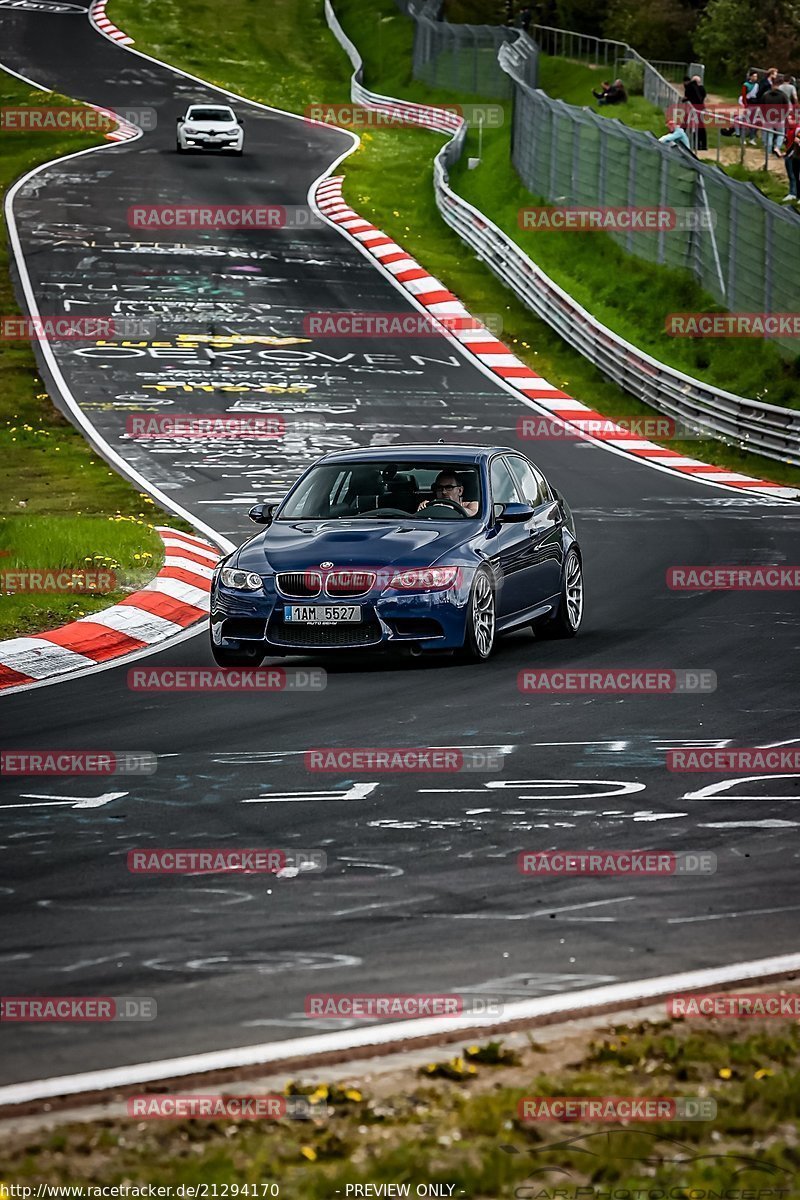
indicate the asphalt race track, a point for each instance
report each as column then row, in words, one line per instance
column 422, row 891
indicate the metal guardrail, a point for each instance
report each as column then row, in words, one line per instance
column 763, row 428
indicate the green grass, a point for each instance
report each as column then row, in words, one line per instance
column 573, row 82
column 126, row 548
column 389, row 179
column 61, row 502
column 442, row 1125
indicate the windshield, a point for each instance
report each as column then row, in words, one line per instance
column 211, row 114
column 434, row 491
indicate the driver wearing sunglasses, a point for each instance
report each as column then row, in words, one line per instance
column 447, row 487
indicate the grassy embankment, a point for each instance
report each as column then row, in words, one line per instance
column 457, row 1122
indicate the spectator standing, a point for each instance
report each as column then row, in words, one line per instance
column 774, row 110
column 745, row 124
column 792, row 159
column 695, row 95
column 788, row 85
column 525, row 18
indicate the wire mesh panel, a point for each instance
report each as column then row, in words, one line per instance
column 460, row 57
column 738, row 244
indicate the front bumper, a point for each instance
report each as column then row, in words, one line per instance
column 202, row 142
column 429, row 621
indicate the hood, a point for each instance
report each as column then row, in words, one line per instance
column 302, row 545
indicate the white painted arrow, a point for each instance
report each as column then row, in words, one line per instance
column 357, row 791
column 74, row 802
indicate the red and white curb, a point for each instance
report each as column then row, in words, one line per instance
column 98, row 18
column 175, row 599
column 125, row 132
column 494, row 355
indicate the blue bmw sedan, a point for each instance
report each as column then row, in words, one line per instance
column 414, row 548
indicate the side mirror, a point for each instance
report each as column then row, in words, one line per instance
column 179, row 120
column 262, row 514
column 548, row 515
column 241, row 121
column 514, row 514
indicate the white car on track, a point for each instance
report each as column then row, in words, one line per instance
column 210, row 127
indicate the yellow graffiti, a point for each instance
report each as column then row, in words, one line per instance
column 273, row 388
column 241, row 339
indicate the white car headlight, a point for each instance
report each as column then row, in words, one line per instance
column 189, row 129
column 243, row 581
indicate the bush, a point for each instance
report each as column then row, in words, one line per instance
column 632, row 75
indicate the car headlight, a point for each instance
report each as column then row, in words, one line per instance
column 189, row 129
column 243, row 581
column 428, row 579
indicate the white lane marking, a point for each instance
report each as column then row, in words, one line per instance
column 747, row 912
column 619, row 995
column 75, row 801
column 357, row 791
column 619, row 788
column 93, row 962
column 785, row 742
column 543, row 912
column 767, row 823
column 714, row 789
column 649, row 815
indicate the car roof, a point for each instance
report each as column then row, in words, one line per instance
column 418, row 453
column 210, row 104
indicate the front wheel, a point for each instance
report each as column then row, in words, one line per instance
column 481, row 619
column 569, row 614
column 236, row 658
column 179, row 148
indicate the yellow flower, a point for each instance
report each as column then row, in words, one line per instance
column 353, row 1094
column 309, row 1152
column 763, row 1073
column 725, row 1073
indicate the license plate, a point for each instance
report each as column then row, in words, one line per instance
column 322, row 614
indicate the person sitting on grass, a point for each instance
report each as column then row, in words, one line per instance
column 613, row 93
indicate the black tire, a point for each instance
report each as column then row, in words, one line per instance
column 236, row 658
column 481, row 631
column 238, row 153
column 180, row 149
column 568, row 616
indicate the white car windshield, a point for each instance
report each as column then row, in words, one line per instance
column 210, row 114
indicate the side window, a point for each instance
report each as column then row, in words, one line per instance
column 531, row 483
column 504, row 489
